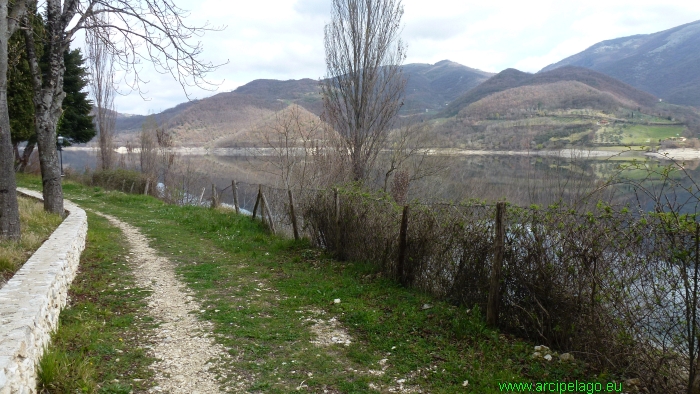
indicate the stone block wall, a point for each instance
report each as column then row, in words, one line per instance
column 32, row 299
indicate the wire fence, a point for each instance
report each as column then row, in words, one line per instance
column 615, row 288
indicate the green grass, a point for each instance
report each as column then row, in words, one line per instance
column 643, row 134
column 96, row 348
column 36, row 226
column 263, row 293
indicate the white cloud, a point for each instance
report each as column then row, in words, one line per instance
column 283, row 39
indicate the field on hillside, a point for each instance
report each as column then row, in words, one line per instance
column 637, row 134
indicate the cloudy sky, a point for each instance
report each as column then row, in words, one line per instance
column 283, row 39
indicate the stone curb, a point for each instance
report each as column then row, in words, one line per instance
column 32, row 299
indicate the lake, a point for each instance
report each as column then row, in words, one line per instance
column 540, row 178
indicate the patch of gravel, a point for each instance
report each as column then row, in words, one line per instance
column 184, row 349
column 328, row 332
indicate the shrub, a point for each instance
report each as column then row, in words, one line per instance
column 127, row 181
column 619, row 290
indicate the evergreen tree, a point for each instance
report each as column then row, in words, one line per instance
column 19, row 92
column 76, row 122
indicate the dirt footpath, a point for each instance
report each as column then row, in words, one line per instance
column 184, row 349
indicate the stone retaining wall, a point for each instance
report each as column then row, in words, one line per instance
column 32, row 299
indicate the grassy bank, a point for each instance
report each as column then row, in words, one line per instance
column 292, row 318
column 36, row 226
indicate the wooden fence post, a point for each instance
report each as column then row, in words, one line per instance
column 338, row 238
column 148, row 183
column 132, row 187
column 496, row 266
column 201, row 196
column 403, row 243
column 214, row 196
column 292, row 214
column 694, row 379
column 266, row 209
column 235, row 196
column 336, row 201
column 262, row 205
column 257, row 202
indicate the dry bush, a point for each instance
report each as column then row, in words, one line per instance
column 127, row 181
column 286, row 145
column 365, row 228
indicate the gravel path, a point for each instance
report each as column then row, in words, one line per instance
column 184, row 350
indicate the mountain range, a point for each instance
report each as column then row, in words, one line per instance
column 654, row 75
column 665, row 64
column 429, row 87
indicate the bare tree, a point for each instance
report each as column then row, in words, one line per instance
column 364, row 85
column 123, row 26
column 10, row 14
column 288, row 142
column 102, row 89
column 408, row 157
column 148, row 154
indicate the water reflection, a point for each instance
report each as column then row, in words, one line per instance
column 523, row 180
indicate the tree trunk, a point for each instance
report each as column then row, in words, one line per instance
column 50, row 167
column 27, row 154
column 9, row 210
column 695, row 386
column 48, row 99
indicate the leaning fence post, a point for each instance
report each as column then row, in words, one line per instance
column 292, row 214
column 496, row 266
column 403, row 243
column 235, row 196
column 266, row 209
column 262, row 208
column 201, row 196
column 257, row 202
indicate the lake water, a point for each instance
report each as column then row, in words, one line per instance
column 521, row 179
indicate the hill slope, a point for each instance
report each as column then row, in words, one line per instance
column 430, row 86
column 666, row 63
column 560, row 95
column 512, row 78
column 225, row 115
column 199, row 122
column 564, row 106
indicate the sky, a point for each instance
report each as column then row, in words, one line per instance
column 283, row 39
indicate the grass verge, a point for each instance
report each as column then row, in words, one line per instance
column 272, row 302
column 36, row 226
column 98, row 346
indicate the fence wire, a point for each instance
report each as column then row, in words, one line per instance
column 616, row 288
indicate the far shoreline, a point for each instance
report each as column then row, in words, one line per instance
column 567, row 153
